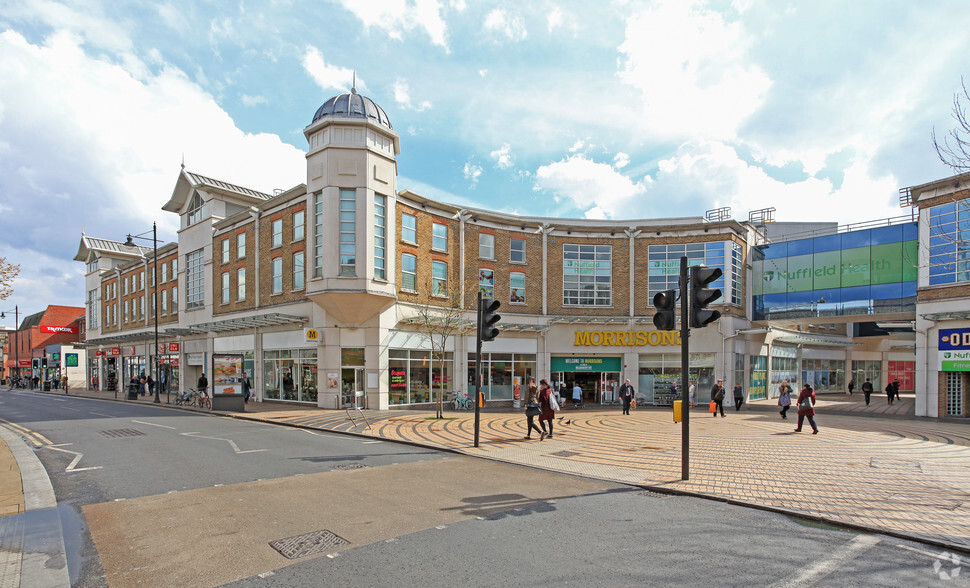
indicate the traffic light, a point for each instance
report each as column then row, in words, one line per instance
column 486, row 330
column 700, row 296
column 665, row 318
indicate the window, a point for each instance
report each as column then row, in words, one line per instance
column 277, row 233
column 124, row 286
column 298, row 271
column 587, row 275
column 175, row 300
column 240, row 245
column 439, row 278
column 318, row 235
column 194, row 280
column 241, row 283
column 141, row 280
column 125, row 315
column 486, row 282
column 141, row 307
column 348, row 233
column 277, row 275
column 299, row 225
column 409, row 272
column 225, row 251
column 664, row 264
column 439, row 237
column 517, row 287
column 151, row 276
column 380, row 224
column 409, row 228
column 196, row 210
column 486, row 246
column 164, row 273
column 92, row 266
column 517, row 250
column 93, row 309
column 225, row 287
column 954, row 393
column 164, row 297
column 950, row 243
column 175, row 268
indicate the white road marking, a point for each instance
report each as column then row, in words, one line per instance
column 229, row 441
column 102, row 414
column 823, row 567
column 920, row 551
column 371, row 442
column 77, row 458
column 152, row 424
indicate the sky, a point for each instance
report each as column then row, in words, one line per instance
column 623, row 109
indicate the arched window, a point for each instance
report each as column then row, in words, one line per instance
column 196, row 209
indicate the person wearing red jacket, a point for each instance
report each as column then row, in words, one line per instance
column 806, row 408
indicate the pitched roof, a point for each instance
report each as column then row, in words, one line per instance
column 109, row 247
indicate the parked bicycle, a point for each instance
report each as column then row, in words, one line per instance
column 204, row 400
column 462, row 401
column 187, row 398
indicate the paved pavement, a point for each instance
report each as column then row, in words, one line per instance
column 876, row 468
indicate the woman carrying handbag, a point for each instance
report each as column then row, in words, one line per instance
column 546, row 411
column 532, row 409
column 806, row 408
column 784, row 398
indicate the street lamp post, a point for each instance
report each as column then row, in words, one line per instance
column 16, row 334
column 131, row 243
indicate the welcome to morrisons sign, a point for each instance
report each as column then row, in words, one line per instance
column 625, row 338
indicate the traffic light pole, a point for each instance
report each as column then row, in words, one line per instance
column 478, row 364
column 684, row 374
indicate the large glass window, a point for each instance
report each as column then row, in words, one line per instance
column 499, row 371
column 517, row 250
column 409, row 228
column 517, row 287
column 658, row 371
column 905, row 373
column 950, row 243
column 439, row 278
column 298, row 271
column 299, row 225
column 758, row 379
column 290, row 375
column 277, row 264
column 664, row 265
column 409, row 272
column 783, row 369
column 194, row 280
column 587, row 275
column 486, row 246
column 824, row 375
column 416, row 377
column 380, row 236
column 277, row 233
column 348, row 233
column 439, row 236
column 486, row 282
column 317, row 235
column 93, row 308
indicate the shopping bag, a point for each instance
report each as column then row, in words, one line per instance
column 713, row 407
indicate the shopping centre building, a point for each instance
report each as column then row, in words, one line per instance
column 346, row 288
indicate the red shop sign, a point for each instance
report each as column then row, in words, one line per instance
column 98, row 352
column 173, row 347
column 116, row 351
column 53, row 329
column 24, row 362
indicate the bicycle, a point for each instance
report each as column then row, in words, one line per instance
column 204, row 401
column 186, row 398
column 462, row 401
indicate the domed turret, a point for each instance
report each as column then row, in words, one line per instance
column 353, row 105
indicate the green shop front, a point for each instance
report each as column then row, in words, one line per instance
column 597, row 375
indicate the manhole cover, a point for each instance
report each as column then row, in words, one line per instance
column 308, row 544
column 563, row 454
column 651, row 494
column 122, row 433
column 349, row 466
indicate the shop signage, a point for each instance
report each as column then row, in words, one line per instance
column 23, row 362
column 99, row 352
column 116, row 351
column 587, row 364
column 311, row 335
column 956, row 339
column 55, row 356
column 173, row 347
column 625, row 338
column 227, row 374
column 70, row 359
column 955, row 361
column 53, row 329
column 398, row 378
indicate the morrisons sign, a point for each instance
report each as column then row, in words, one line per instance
column 625, row 338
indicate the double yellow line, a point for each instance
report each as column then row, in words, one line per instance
column 36, row 438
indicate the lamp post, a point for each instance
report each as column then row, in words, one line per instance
column 131, row 243
column 16, row 334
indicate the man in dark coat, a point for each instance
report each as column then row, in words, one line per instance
column 626, row 396
column 867, row 390
column 717, row 395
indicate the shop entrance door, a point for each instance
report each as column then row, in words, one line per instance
column 352, row 388
column 609, row 386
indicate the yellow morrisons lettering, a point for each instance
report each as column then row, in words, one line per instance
column 623, row 338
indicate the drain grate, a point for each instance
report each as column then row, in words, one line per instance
column 563, row 454
column 121, row 433
column 652, row 494
column 308, row 544
column 350, row 466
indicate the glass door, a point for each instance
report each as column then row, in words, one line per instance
column 352, row 388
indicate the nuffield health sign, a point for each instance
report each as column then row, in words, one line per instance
column 955, row 350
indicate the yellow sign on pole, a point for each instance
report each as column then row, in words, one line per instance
column 311, row 335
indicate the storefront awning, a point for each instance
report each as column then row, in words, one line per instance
column 960, row 315
column 813, row 341
column 248, row 322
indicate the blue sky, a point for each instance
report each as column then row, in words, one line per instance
column 623, row 109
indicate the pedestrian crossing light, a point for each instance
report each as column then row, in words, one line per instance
column 487, row 329
column 700, row 296
column 665, row 317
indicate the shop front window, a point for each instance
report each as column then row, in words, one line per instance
column 420, row 377
column 498, row 373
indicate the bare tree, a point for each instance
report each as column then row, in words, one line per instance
column 8, row 272
column 440, row 315
column 954, row 149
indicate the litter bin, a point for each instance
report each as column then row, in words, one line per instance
column 677, row 408
column 47, row 385
column 132, row 392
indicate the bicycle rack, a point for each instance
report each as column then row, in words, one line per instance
column 350, row 417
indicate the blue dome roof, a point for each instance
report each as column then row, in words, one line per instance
column 353, row 105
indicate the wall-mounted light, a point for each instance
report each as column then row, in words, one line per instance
column 613, row 232
column 522, row 227
column 569, row 231
column 658, row 232
column 706, row 229
column 474, row 219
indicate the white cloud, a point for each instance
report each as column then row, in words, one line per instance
column 554, row 18
column 402, row 96
column 509, row 26
column 621, row 160
column 397, row 17
column 248, row 100
column 578, row 145
column 588, row 184
column 472, row 172
column 502, row 157
column 328, row 77
column 693, row 69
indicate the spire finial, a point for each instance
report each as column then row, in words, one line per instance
column 183, row 160
column 353, row 89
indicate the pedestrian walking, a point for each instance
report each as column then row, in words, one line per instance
column 896, row 388
column 690, row 394
column 532, row 409
column 546, row 413
column 867, row 390
column 247, row 388
column 889, row 393
column 851, row 386
column 142, row 384
column 151, row 384
column 203, row 383
column 64, row 383
column 626, row 396
column 717, row 397
column 577, row 395
column 738, row 397
column 784, row 398
column 806, row 409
